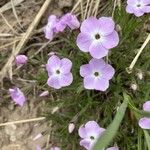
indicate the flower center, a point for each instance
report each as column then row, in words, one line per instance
column 92, row 138
column 57, row 72
column 97, row 36
column 138, row 5
column 96, row 74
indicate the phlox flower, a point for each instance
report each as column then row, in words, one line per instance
column 21, row 59
column 97, row 74
column 38, row 147
column 144, row 122
column 55, row 148
column 97, row 36
column 59, row 72
column 90, row 132
column 113, row 148
column 138, row 7
column 69, row 20
column 56, row 25
column 49, row 29
column 17, row 96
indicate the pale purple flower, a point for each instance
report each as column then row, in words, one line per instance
column 17, row 96
column 144, row 122
column 55, row 148
column 97, row 74
column 59, row 72
column 21, row 59
column 44, row 93
column 90, row 132
column 69, row 20
column 71, row 127
column 138, row 7
column 113, row 148
column 50, row 27
column 38, row 147
column 97, row 36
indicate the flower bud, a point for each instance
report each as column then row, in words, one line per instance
column 21, row 59
column 71, row 127
column 134, row 86
column 45, row 93
column 140, row 75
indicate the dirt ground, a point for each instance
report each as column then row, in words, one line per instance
column 21, row 137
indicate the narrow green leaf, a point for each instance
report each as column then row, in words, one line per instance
column 147, row 137
column 111, row 131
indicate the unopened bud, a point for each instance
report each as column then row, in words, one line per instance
column 134, row 86
column 45, row 93
column 71, row 127
column 140, row 75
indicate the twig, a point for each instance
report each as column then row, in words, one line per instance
column 129, row 69
column 22, row 121
column 24, row 39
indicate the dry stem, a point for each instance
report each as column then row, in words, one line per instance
column 130, row 68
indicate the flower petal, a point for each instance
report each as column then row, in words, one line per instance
column 53, row 63
column 101, row 84
column 110, row 41
column 38, row 147
column 131, row 2
column 129, row 9
column 85, row 70
column 146, row 2
column 144, row 123
column 85, row 143
column 107, row 25
column 108, row 72
column 93, row 129
column 83, row 42
column 146, row 106
column 89, row 25
column 72, row 21
column 53, row 81
column 82, row 132
column 97, row 64
column 66, row 80
column 138, row 12
column 66, row 65
column 146, row 9
column 89, row 82
column 17, row 96
column 113, row 148
column 97, row 50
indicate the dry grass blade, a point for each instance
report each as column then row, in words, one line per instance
column 8, row 5
column 90, row 8
column 76, row 6
column 15, row 13
column 114, row 7
column 95, row 10
column 7, row 23
column 86, row 9
column 130, row 68
column 24, row 39
column 81, row 6
column 22, row 121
